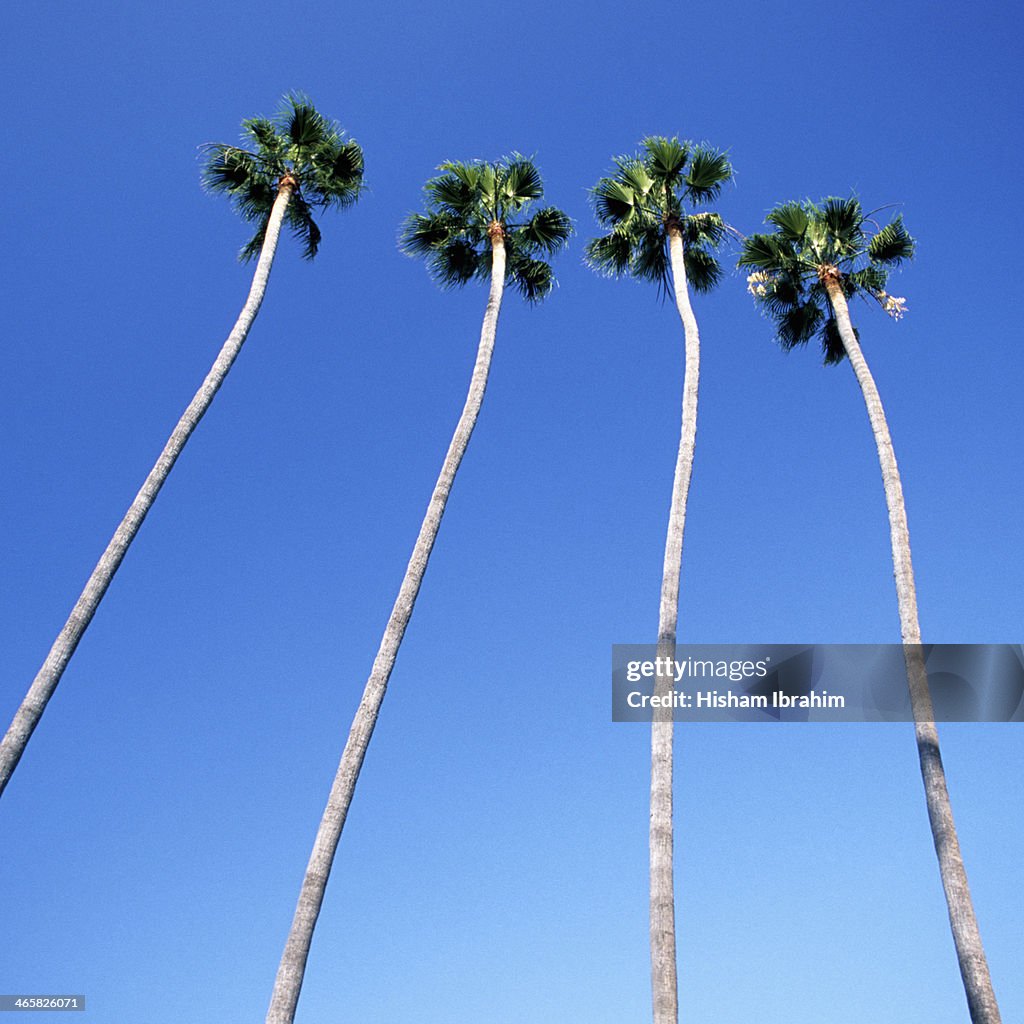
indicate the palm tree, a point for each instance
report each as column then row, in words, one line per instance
column 475, row 227
column 804, row 274
column 656, row 236
column 299, row 162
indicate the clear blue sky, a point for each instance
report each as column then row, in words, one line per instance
column 494, row 863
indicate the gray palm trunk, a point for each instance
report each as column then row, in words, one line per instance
column 664, row 985
column 292, row 968
column 45, row 683
column 981, row 1000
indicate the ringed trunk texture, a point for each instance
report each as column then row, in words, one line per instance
column 288, row 983
column 664, row 984
column 981, row 1000
column 45, row 683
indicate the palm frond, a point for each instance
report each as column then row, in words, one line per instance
column 452, row 192
column 348, row 161
column 532, row 278
column 468, row 174
column 262, row 132
column 254, row 200
column 252, row 248
column 228, row 169
column 704, row 229
column 299, row 218
column 892, row 245
column 785, row 290
column 614, row 201
column 487, row 192
column 702, row 269
column 708, row 171
column 304, row 125
column 666, row 157
column 798, row 324
column 610, row 254
column 521, row 183
column 792, row 220
column 456, row 263
column 832, row 348
column 423, row 232
column 650, row 260
column 765, row 252
column 843, row 219
column 635, row 176
column 870, row 279
column 547, row 230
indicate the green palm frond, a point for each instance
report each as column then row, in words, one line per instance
column 520, row 184
column 704, row 229
column 892, row 244
column 262, row 133
column 843, row 220
column 468, row 174
column 798, row 324
column 300, row 219
column 811, row 244
column 305, row 126
column 228, row 169
column 702, row 269
column 610, row 254
column 833, row 350
column 667, row 157
column 451, row 192
column 709, row 170
column 792, row 220
column 614, row 201
column 650, row 260
column 548, row 229
column 252, row 248
column 255, row 198
column 300, row 143
column 456, row 263
column 532, row 278
column 786, row 289
column 636, row 176
column 869, row 280
column 766, row 252
column 423, row 232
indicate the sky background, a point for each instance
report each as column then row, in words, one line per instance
column 494, row 864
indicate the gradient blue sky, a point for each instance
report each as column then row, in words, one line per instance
column 494, row 863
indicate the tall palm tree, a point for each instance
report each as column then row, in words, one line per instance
column 804, row 274
column 655, row 235
column 299, row 162
column 476, row 227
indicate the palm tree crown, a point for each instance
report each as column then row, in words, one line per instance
column 467, row 205
column 812, row 245
column 650, row 193
column 298, row 147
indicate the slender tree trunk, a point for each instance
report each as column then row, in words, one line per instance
column 288, row 983
column 664, row 985
column 981, row 1000
column 45, row 682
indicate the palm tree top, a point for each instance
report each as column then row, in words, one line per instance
column 814, row 244
column 299, row 147
column 651, row 194
column 472, row 205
